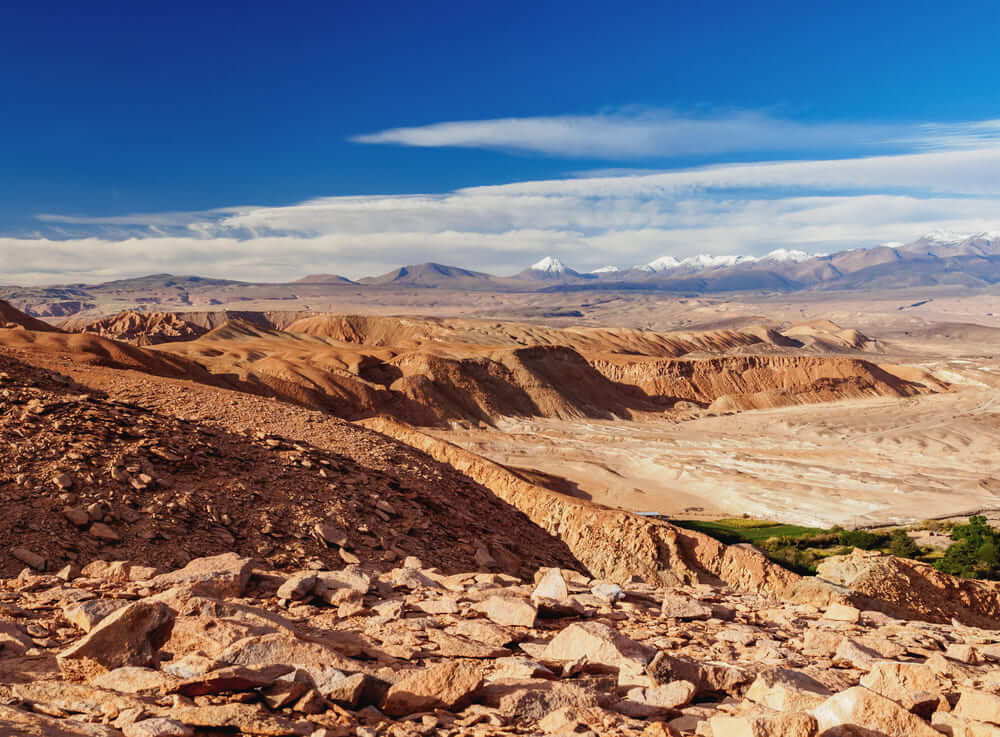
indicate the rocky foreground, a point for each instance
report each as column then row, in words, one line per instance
column 225, row 645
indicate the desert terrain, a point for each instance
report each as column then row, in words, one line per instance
column 376, row 521
column 817, row 409
column 908, row 461
column 824, row 412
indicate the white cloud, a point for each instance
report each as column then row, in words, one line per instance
column 655, row 133
column 816, row 206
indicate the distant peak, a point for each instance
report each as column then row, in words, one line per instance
column 550, row 265
column 946, row 236
column 709, row 261
column 701, row 261
column 606, row 270
column 785, row 254
column 662, row 264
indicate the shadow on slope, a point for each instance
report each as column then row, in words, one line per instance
column 171, row 489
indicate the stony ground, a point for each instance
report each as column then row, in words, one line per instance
column 226, row 645
column 86, row 475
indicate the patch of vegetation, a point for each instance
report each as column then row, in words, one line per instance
column 863, row 539
column 746, row 523
column 976, row 552
column 733, row 531
column 801, row 549
column 901, row 545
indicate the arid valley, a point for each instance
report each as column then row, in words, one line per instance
column 818, row 409
column 332, row 509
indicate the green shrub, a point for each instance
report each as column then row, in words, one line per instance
column 862, row 539
column 901, row 545
column 975, row 553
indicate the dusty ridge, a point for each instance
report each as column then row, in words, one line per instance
column 98, row 351
column 11, row 317
column 756, row 382
column 615, row 545
column 826, row 335
column 363, row 367
column 82, row 477
column 402, row 333
column 202, row 321
column 140, row 328
column 539, row 381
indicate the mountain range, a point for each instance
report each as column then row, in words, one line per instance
column 936, row 259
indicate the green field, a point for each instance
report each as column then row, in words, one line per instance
column 732, row 531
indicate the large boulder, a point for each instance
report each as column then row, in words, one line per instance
column 953, row 726
column 136, row 680
column 531, row 699
column 860, row 712
column 508, row 611
column 791, row 724
column 599, row 645
column 787, row 690
column 908, row 684
column 75, row 698
column 243, row 718
column 450, row 685
column 130, row 636
column 708, row 678
column 157, row 727
column 88, row 614
column 678, row 605
column 217, row 576
column 19, row 722
column 282, row 649
column 979, row 706
column 552, row 586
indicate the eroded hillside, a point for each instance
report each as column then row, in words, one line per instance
column 435, row 372
column 85, row 476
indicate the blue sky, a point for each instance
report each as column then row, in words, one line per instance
column 269, row 141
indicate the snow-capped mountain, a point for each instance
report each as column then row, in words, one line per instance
column 946, row 237
column 549, row 265
column 943, row 244
column 936, row 258
column 549, row 268
column 784, row 254
column 664, row 263
column 708, row 261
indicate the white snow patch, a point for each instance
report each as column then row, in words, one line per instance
column 664, row 263
column 785, row 254
column 550, row 265
column 946, row 237
column 706, row 261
